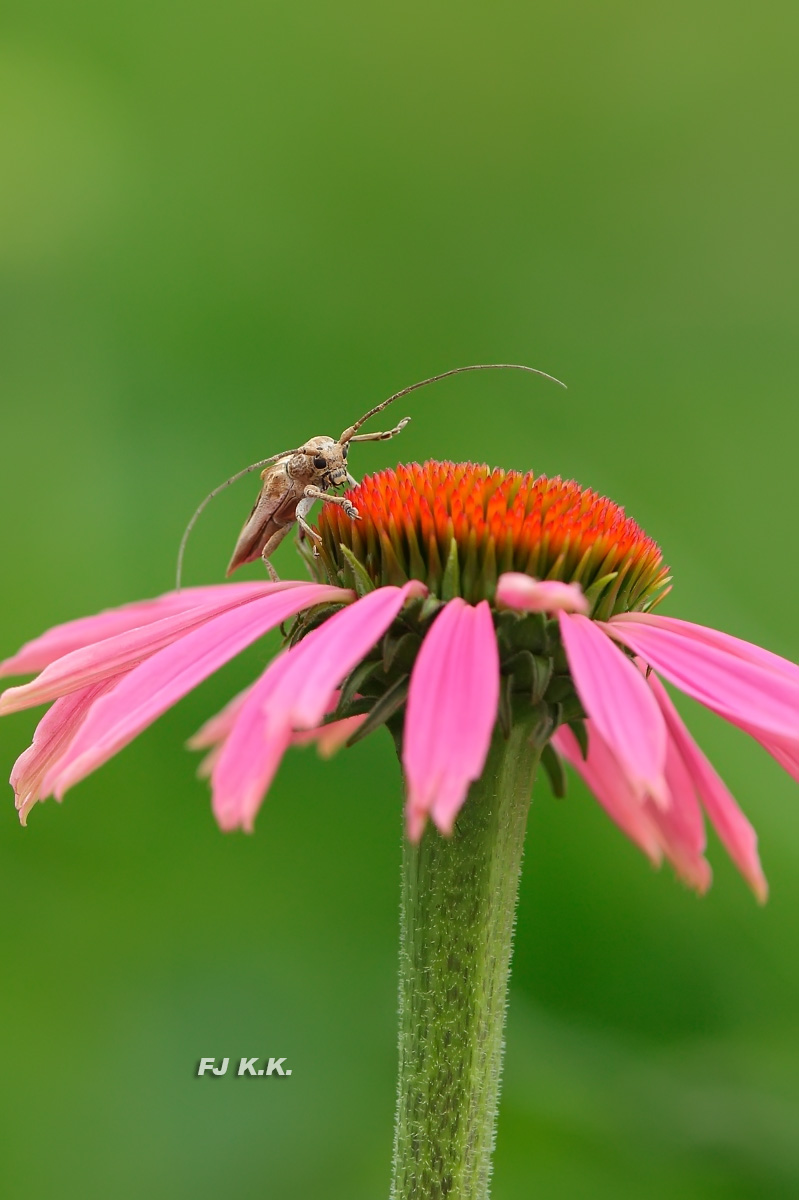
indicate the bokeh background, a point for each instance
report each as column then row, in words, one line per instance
column 226, row 228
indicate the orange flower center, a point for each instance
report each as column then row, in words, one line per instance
column 458, row 526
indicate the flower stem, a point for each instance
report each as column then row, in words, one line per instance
column 458, row 906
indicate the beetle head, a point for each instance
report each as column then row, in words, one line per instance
column 329, row 459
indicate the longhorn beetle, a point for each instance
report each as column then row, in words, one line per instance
column 294, row 479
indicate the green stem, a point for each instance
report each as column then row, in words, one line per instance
column 458, row 906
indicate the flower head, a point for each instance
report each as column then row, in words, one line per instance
column 458, row 527
column 464, row 600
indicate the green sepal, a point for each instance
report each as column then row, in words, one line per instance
column 553, row 765
column 530, row 672
column 546, row 718
column 541, row 676
column 400, row 649
column 352, row 685
column 383, row 709
column 487, row 578
column 416, row 563
column 595, row 589
column 560, row 688
column 313, row 562
column 505, row 709
column 581, row 733
column 654, row 598
column 470, row 569
column 355, row 708
column 429, row 607
column 451, row 579
column 571, row 709
column 361, row 580
column 312, row 618
column 392, row 573
column 530, row 633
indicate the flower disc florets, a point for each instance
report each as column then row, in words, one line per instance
column 458, row 526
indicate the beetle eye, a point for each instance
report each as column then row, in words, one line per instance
column 344, row 449
column 319, row 462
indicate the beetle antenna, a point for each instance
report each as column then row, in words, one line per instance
column 348, row 433
column 198, row 510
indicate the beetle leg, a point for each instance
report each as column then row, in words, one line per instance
column 269, row 549
column 312, row 492
column 381, row 437
column 301, row 512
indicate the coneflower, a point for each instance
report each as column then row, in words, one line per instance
column 493, row 621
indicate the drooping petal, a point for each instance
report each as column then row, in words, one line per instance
column 246, row 762
column 515, row 590
column 101, row 660
column 74, row 635
column 52, row 737
column 165, row 677
column 602, row 774
column 750, row 694
column 735, row 832
column 452, row 707
column 294, row 693
column 680, row 824
column 675, row 830
column 619, row 704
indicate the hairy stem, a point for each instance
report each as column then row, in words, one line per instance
column 458, row 906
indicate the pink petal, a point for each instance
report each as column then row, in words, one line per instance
column 784, row 750
column 680, row 824
column 246, row 762
column 164, row 678
column 619, row 703
column 100, row 660
column 330, row 737
column 713, row 637
column 515, row 590
column 452, row 707
column 602, row 774
column 52, row 737
column 736, row 834
column 749, row 694
column 675, row 830
column 329, row 653
column 74, row 635
column 294, row 693
column 217, row 728
column 212, row 734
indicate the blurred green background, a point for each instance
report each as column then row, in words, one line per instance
column 224, row 229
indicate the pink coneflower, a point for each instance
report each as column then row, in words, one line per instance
column 492, row 621
column 461, row 596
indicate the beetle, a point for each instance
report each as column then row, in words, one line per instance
column 294, row 480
